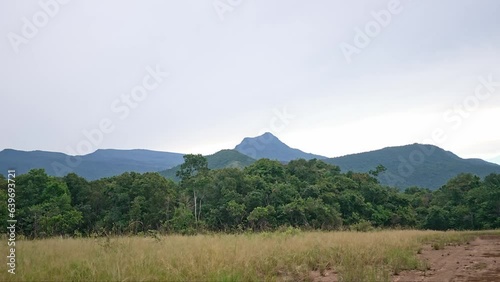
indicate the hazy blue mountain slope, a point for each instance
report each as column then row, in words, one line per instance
column 270, row 147
column 414, row 165
column 102, row 163
column 411, row 165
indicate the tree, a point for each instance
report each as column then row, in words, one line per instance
column 81, row 195
column 236, row 212
column 270, row 171
column 379, row 169
column 193, row 164
column 263, row 196
column 49, row 212
column 3, row 198
column 484, row 203
column 262, row 218
column 437, row 219
column 192, row 173
column 183, row 220
column 321, row 216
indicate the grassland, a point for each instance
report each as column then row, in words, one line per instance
column 290, row 255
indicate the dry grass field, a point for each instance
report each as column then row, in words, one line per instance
column 290, row 255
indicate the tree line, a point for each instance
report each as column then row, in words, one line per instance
column 263, row 196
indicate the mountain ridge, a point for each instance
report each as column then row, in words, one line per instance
column 415, row 164
column 269, row 146
column 92, row 166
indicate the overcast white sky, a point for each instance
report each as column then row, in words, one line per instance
column 229, row 75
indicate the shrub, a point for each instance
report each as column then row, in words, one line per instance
column 362, row 226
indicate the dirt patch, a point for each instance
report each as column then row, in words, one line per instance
column 476, row 261
column 325, row 276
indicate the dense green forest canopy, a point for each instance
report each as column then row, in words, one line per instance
column 263, row 196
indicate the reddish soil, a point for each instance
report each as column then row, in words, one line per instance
column 327, row 276
column 478, row 261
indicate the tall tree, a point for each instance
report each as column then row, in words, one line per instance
column 192, row 173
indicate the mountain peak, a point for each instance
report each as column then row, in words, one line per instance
column 269, row 146
column 264, row 138
column 268, row 135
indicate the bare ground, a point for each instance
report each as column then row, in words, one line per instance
column 327, row 276
column 478, row 261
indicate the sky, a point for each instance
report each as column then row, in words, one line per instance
column 329, row 77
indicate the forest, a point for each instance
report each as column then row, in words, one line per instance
column 264, row 196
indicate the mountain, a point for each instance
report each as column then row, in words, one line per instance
column 23, row 161
column 221, row 159
column 414, row 165
column 411, row 165
column 228, row 158
column 270, row 147
column 101, row 163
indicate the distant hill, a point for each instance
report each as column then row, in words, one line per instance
column 101, row 163
column 228, row 158
column 411, row 165
column 221, row 159
column 23, row 161
column 270, row 147
column 414, row 165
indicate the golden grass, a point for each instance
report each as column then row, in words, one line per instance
column 372, row 256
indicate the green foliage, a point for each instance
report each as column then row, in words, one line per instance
column 183, row 221
column 263, row 196
column 262, row 218
column 193, row 164
column 219, row 160
column 44, row 206
column 362, row 226
column 228, row 159
column 379, row 169
column 413, row 165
